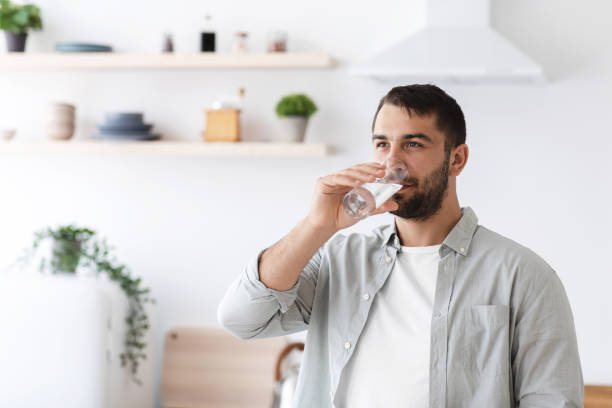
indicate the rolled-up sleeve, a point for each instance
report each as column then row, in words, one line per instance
column 249, row 309
column 545, row 360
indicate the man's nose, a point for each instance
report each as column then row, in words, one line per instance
column 397, row 169
column 394, row 155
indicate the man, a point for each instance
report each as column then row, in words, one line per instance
column 432, row 311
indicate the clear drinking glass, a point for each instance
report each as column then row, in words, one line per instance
column 362, row 200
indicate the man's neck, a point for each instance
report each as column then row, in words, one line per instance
column 430, row 232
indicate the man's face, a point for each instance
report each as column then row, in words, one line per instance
column 417, row 142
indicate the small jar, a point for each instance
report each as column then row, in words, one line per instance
column 207, row 35
column 168, row 45
column 277, row 41
column 241, row 42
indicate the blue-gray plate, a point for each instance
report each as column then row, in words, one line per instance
column 108, row 136
column 124, row 128
column 82, row 47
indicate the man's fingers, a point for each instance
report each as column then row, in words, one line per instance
column 341, row 180
column 366, row 177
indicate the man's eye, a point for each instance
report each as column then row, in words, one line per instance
column 411, row 144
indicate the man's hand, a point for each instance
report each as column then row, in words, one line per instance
column 327, row 212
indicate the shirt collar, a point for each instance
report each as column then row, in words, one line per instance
column 458, row 239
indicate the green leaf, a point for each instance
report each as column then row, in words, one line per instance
column 18, row 18
column 296, row 105
column 74, row 244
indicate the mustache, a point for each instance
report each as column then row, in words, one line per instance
column 400, row 180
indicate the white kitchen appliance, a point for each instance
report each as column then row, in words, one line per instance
column 457, row 44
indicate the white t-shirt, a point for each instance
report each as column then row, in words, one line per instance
column 390, row 364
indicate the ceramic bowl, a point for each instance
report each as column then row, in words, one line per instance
column 60, row 135
column 60, row 115
column 62, row 105
column 117, row 119
column 59, row 132
column 7, row 134
column 60, row 121
column 144, row 128
column 60, row 110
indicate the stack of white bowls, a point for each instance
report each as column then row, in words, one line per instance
column 60, row 125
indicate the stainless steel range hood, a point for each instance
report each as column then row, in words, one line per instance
column 458, row 45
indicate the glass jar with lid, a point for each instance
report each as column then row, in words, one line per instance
column 277, row 41
column 240, row 42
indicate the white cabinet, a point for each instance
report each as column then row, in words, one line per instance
column 61, row 338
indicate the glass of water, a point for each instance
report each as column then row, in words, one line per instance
column 362, row 200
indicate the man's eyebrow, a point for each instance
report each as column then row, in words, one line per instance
column 407, row 136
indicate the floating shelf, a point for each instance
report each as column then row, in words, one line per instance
column 170, row 148
column 119, row 61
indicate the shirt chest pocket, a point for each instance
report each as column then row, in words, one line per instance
column 485, row 336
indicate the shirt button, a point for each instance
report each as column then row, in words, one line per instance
column 347, row 345
column 462, row 249
column 388, row 258
column 366, row 297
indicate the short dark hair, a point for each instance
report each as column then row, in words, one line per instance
column 427, row 99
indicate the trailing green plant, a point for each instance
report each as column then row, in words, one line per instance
column 19, row 18
column 75, row 247
column 296, row 105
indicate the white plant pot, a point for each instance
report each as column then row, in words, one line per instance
column 293, row 128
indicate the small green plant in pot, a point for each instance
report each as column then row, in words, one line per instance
column 75, row 247
column 67, row 246
column 15, row 20
column 294, row 110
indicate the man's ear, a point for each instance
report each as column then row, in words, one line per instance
column 459, row 158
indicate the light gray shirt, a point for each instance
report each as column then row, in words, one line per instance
column 502, row 330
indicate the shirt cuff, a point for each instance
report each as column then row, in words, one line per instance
column 260, row 292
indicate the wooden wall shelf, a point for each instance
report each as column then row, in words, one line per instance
column 123, row 61
column 168, row 148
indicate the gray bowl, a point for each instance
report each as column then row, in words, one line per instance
column 118, row 119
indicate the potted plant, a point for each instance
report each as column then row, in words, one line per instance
column 66, row 249
column 74, row 247
column 294, row 110
column 15, row 20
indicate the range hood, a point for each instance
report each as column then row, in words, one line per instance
column 456, row 45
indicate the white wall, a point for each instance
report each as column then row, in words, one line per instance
column 537, row 172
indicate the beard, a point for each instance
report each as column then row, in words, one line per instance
column 427, row 199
